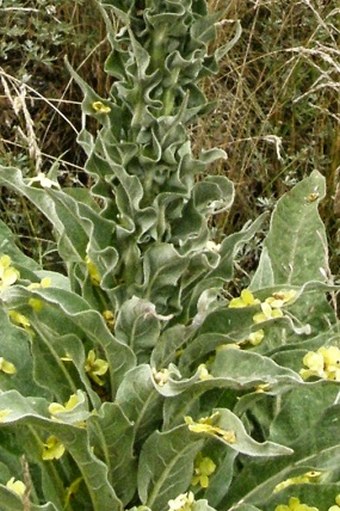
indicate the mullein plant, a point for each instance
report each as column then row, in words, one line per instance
column 133, row 380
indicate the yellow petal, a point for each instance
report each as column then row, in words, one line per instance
column 100, row 108
column 55, row 408
column 36, row 304
column 17, row 487
column 5, row 262
column 248, row 297
column 259, row 317
column 19, row 319
column 9, row 276
column 7, row 367
column 53, row 449
column 314, row 361
column 331, row 356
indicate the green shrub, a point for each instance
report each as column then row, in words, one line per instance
column 133, row 379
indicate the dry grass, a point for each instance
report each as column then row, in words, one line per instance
column 41, row 105
column 278, row 105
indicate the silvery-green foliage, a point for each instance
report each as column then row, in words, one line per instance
column 144, row 300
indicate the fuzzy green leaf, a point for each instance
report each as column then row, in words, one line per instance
column 140, row 401
column 77, row 312
column 111, row 436
column 136, row 326
column 296, row 245
column 166, row 466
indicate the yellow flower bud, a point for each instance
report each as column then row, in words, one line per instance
column 7, row 367
column 93, row 272
column 109, row 318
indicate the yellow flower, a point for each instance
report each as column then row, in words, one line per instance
column 206, row 425
column 294, row 504
column 16, row 486
column 100, row 108
column 19, row 319
column 203, row 468
column 182, row 502
column 323, row 363
column 246, row 299
column 267, row 313
column 53, row 449
column 93, row 272
column 95, row 367
column 8, row 274
column 280, row 298
column 56, row 408
column 312, row 476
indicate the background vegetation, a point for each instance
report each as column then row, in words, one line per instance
column 275, row 110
